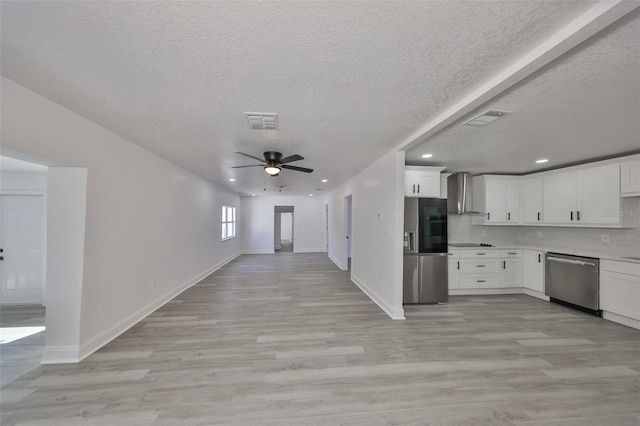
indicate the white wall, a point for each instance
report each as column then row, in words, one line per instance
column 152, row 228
column 377, row 225
column 258, row 216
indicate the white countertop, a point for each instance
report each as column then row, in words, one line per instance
column 575, row 252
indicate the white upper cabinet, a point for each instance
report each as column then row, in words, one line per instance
column 597, row 195
column 630, row 178
column 598, row 199
column 531, row 200
column 422, row 182
column 586, row 197
column 497, row 198
column 559, row 198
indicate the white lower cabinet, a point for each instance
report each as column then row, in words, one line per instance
column 620, row 292
column 454, row 275
column 494, row 269
column 512, row 268
column 534, row 270
column 474, row 281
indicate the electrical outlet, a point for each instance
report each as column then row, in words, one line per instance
column 153, row 283
column 484, row 233
column 605, row 238
column 539, row 234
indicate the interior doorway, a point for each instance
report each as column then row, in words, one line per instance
column 23, row 190
column 22, row 249
column 283, row 229
column 348, row 211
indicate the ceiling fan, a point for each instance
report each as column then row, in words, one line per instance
column 274, row 162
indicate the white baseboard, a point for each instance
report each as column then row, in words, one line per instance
column 258, row 251
column 338, row 264
column 537, row 294
column 396, row 314
column 98, row 341
column 61, row 355
column 629, row 322
column 309, row 250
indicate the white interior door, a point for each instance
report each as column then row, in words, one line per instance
column 286, row 227
column 21, row 240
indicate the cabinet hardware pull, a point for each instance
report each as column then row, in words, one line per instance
column 480, row 266
column 418, row 188
column 539, row 257
column 481, row 254
column 504, row 264
column 488, row 216
column 414, row 188
column 577, row 215
column 480, row 281
column 458, row 266
column 509, row 216
column 538, row 215
column 512, row 253
column 572, row 216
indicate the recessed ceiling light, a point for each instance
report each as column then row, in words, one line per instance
column 253, row 195
column 324, row 181
column 232, row 180
column 427, row 155
column 310, row 195
column 542, row 160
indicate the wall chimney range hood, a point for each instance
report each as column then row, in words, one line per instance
column 459, row 199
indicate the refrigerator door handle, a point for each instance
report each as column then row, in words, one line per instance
column 412, row 241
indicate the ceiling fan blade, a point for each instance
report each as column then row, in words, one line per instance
column 298, row 169
column 250, row 165
column 291, row 158
column 251, row 156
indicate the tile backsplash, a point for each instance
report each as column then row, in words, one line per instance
column 624, row 242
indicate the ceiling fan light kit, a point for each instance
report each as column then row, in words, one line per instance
column 272, row 169
column 275, row 163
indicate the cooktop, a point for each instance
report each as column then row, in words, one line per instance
column 470, row 245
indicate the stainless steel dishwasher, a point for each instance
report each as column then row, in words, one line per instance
column 573, row 281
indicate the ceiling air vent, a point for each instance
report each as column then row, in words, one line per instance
column 262, row 121
column 487, row 117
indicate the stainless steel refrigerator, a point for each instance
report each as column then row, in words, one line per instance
column 425, row 251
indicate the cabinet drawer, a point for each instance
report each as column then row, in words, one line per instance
column 479, row 280
column 454, row 254
column 479, row 266
column 628, row 268
column 510, row 253
column 478, row 254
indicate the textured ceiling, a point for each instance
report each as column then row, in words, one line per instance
column 349, row 80
column 583, row 106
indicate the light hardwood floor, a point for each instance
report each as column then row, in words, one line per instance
column 20, row 356
column 287, row 339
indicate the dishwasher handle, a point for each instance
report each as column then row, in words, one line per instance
column 569, row 261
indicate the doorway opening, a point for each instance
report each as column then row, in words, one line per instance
column 283, row 230
column 348, row 220
column 22, row 267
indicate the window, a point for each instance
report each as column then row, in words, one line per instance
column 228, row 222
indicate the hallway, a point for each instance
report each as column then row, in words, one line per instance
column 288, row 339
